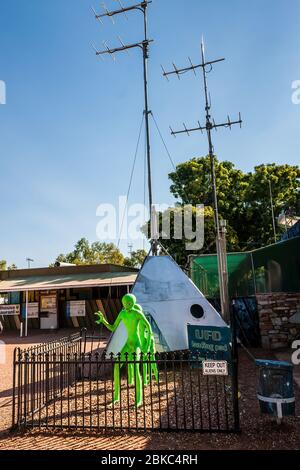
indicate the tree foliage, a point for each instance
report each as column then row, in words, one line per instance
column 136, row 259
column 3, row 265
column 256, row 227
column 12, row 267
column 243, row 198
column 86, row 253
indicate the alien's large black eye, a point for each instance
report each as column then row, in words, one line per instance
column 197, row 311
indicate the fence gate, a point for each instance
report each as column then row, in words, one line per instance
column 60, row 386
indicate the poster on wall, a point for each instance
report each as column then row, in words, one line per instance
column 48, row 311
column 76, row 308
column 32, row 310
column 10, row 310
column 48, row 303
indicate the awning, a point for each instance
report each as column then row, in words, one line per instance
column 67, row 281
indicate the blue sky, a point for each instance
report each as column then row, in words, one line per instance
column 69, row 128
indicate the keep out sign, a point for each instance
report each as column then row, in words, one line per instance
column 215, row 368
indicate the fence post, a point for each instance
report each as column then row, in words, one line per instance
column 33, row 384
column 26, row 387
column 47, row 388
column 14, row 389
column 83, row 332
column 235, row 383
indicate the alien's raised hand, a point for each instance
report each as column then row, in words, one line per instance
column 100, row 318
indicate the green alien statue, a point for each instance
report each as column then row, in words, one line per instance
column 140, row 342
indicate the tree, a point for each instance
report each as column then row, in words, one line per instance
column 12, row 267
column 2, row 265
column 85, row 253
column 285, row 185
column 191, row 184
column 244, row 198
column 136, row 259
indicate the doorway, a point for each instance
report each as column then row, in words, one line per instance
column 48, row 312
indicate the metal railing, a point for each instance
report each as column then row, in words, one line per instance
column 71, row 343
column 64, row 388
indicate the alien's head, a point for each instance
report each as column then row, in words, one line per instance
column 128, row 301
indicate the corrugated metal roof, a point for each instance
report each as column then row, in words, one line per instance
column 67, row 281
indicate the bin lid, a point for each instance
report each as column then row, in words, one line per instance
column 273, row 364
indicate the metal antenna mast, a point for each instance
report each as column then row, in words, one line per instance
column 144, row 46
column 272, row 210
column 210, row 125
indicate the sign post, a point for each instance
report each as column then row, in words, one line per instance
column 26, row 315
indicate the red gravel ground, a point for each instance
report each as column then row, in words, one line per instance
column 258, row 432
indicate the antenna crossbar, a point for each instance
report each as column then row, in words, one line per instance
column 208, row 127
column 203, row 65
column 110, row 14
column 123, row 48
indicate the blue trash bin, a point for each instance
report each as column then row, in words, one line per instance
column 276, row 388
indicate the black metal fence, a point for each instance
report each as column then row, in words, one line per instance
column 60, row 386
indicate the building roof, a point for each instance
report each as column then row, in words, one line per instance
column 66, row 278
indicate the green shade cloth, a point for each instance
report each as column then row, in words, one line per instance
column 275, row 268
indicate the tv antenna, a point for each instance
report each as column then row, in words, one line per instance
column 206, row 66
column 29, row 261
column 144, row 46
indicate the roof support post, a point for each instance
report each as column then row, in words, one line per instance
column 26, row 315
